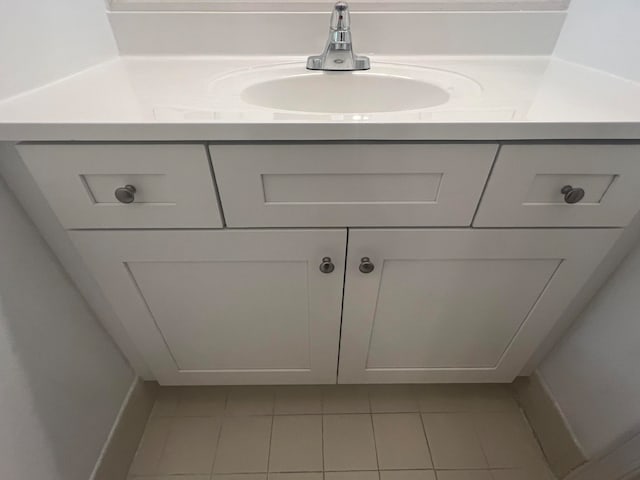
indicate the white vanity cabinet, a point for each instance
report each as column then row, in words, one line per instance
column 225, row 307
column 344, row 262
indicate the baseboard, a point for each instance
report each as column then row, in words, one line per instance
column 621, row 463
column 561, row 448
column 125, row 435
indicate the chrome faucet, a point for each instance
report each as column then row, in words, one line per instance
column 338, row 53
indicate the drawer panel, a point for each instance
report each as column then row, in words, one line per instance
column 351, row 184
column 173, row 184
column 526, row 186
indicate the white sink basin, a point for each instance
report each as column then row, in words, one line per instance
column 345, row 92
column 386, row 89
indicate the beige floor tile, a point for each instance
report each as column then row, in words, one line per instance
column 296, row 476
column 243, row 445
column 374, row 475
column 238, row 476
column 394, row 398
column 191, row 445
column 453, row 441
column 298, row 400
column 540, row 473
column 464, row 475
column 151, row 446
column 296, row 444
column 453, row 398
column 345, row 399
column 400, row 441
column 348, row 443
column 507, row 440
column 445, row 398
column 166, row 402
column 250, row 401
column 171, row 477
column 407, row 475
column 201, row 401
column 493, row 398
column 467, row 398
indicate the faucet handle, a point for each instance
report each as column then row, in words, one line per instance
column 340, row 18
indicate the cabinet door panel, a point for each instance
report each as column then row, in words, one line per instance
column 458, row 305
column 525, row 187
column 173, row 186
column 225, row 307
column 345, row 184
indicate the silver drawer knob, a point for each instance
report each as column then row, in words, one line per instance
column 126, row 194
column 366, row 265
column 327, row 265
column 572, row 194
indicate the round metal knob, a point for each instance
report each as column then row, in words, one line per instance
column 126, row 194
column 327, row 265
column 366, row 266
column 572, row 194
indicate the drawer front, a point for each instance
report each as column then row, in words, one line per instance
column 527, row 182
column 351, row 185
column 173, row 185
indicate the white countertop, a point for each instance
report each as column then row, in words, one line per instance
column 185, row 98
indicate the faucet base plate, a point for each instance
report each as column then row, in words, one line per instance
column 348, row 64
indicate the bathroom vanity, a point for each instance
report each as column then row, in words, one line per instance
column 383, row 261
column 239, row 243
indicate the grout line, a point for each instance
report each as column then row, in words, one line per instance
column 474, row 425
column 375, row 443
column 222, row 419
column 322, row 442
column 171, row 421
column 270, row 442
column 426, row 437
column 215, row 455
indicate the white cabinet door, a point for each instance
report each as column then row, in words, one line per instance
column 225, row 307
column 458, row 305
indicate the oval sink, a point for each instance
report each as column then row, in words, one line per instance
column 388, row 89
column 345, row 92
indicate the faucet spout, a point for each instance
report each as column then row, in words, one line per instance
column 338, row 53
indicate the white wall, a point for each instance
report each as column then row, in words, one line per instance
column 43, row 40
column 603, row 34
column 62, row 380
column 594, row 373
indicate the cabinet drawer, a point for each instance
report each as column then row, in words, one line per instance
column 173, row 184
column 526, row 186
column 351, row 184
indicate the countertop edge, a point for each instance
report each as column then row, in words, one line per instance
column 238, row 132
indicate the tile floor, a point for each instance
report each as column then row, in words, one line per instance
column 383, row 432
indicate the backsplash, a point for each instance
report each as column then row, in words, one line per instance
column 304, row 33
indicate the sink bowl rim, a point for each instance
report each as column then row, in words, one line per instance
column 232, row 84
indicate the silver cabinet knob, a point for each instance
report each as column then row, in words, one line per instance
column 327, row 265
column 366, row 265
column 126, row 194
column 572, row 194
